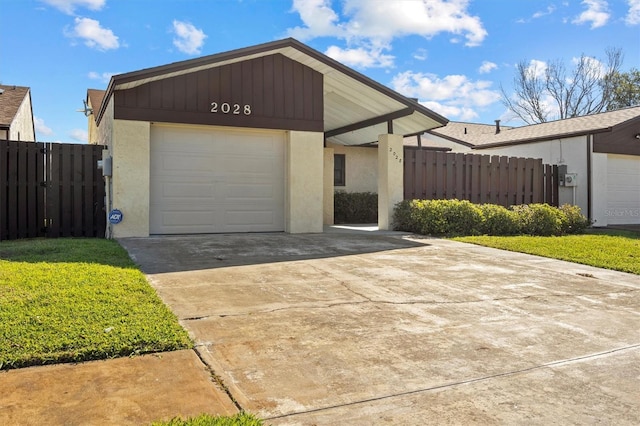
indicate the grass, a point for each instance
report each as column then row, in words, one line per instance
column 240, row 419
column 69, row 300
column 617, row 250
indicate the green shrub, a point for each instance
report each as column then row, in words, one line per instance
column 462, row 217
column 540, row 219
column 498, row 220
column 455, row 217
column 355, row 207
column 402, row 219
column 575, row 222
column 438, row 217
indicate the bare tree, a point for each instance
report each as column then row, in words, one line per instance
column 544, row 92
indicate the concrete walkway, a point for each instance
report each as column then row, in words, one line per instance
column 123, row 391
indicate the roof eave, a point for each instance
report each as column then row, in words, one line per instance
column 543, row 138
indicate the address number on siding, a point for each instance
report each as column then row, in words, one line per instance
column 227, row 108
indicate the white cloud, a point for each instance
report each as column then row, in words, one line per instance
column 69, row 6
column 633, row 16
column 536, row 68
column 79, row 135
column 360, row 57
column 93, row 34
column 460, row 113
column 421, row 54
column 373, row 24
column 597, row 13
column 452, row 95
column 487, row 67
column 104, row 77
column 42, row 128
column 318, row 17
column 189, row 39
column 386, row 20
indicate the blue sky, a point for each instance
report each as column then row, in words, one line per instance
column 452, row 55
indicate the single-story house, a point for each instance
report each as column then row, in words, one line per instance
column 16, row 114
column 599, row 155
column 249, row 140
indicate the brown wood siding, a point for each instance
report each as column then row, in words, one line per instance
column 622, row 140
column 281, row 93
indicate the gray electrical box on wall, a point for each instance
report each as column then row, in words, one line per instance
column 571, row 179
column 106, row 166
column 562, row 171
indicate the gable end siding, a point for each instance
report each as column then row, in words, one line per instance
column 278, row 93
column 621, row 140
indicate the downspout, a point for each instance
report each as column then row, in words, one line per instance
column 589, row 166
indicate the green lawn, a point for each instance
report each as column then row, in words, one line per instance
column 240, row 419
column 616, row 250
column 65, row 300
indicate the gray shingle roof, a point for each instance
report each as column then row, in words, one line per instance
column 10, row 100
column 483, row 135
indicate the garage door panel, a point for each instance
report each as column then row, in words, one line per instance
column 211, row 181
column 250, row 192
column 623, row 189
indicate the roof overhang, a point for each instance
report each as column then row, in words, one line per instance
column 357, row 109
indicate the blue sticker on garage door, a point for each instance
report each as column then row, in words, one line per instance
column 115, row 216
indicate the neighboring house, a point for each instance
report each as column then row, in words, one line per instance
column 16, row 114
column 93, row 101
column 250, row 140
column 602, row 150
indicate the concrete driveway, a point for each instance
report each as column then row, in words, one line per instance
column 322, row 329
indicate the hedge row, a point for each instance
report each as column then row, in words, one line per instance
column 355, row 207
column 455, row 218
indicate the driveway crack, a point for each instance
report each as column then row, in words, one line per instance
column 369, row 300
column 551, row 364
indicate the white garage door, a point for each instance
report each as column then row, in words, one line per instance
column 623, row 189
column 212, row 181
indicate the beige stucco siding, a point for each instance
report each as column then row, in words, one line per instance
column 105, row 128
column 130, row 193
column 304, row 182
column 22, row 128
column 361, row 168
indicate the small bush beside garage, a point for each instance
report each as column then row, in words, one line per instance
column 355, row 207
column 461, row 217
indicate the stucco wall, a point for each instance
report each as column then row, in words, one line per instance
column 327, row 189
column 361, row 168
column 570, row 151
column 93, row 136
column 105, row 129
column 22, row 126
column 304, row 182
column 390, row 178
column 131, row 160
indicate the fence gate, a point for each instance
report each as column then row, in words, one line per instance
column 507, row 181
column 50, row 190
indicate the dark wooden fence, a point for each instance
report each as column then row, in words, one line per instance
column 432, row 175
column 50, row 190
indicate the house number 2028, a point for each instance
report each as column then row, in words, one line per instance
column 395, row 155
column 227, row 108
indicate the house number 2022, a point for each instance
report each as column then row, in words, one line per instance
column 227, row 108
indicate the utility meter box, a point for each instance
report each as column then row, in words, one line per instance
column 571, row 179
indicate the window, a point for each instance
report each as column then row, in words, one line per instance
column 339, row 170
